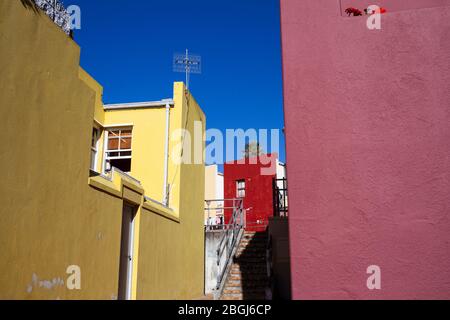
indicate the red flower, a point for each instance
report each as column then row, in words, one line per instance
column 353, row 11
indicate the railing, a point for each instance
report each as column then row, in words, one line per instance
column 57, row 12
column 232, row 233
column 280, row 198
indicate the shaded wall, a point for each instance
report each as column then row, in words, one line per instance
column 368, row 147
column 281, row 277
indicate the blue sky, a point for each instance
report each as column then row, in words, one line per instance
column 128, row 47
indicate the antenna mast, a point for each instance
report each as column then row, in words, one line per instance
column 188, row 64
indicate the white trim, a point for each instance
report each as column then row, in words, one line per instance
column 129, row 294
column 105, row 146
column 119, row 158
column 120, row 125
column 99, row 133
column 106, row 150
column 135, row 105
column 166, row 158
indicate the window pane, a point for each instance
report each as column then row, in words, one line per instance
column 113, row 144
column 114, row 133
column 125, row 143
column 122, row 164
column 126, row 133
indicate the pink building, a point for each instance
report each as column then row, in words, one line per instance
column 368, row 147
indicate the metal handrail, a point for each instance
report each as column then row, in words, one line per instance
column 229, row 239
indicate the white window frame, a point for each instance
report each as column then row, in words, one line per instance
column 106, row 150
column 240, row 188
column 94, row 149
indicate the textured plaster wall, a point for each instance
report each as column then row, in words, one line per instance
column 258, row 201
column 368, row 151
column 52, row 215
column 50, row 218
column 174, row 251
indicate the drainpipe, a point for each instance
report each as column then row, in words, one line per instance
column 166, row 158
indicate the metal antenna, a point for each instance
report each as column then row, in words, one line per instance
column 187, row 64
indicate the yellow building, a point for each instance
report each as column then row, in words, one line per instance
column 134, row 233
column 214, row 196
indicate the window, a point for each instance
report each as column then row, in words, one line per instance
column 240, row 188
column 94, row 148
column 118, row 149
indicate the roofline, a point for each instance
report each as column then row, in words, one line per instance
column 139, row 105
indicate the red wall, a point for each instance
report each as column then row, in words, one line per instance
column 258, row 201
column 368, row 150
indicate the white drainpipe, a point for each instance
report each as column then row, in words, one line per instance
column 166, row 158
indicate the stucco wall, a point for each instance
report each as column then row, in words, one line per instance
column 368, row 148
column 258, row 201
column 174, row 268
column 52, row 214
column 50, row 217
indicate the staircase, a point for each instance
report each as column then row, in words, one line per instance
column 247, row 279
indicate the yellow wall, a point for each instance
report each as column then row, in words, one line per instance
column 53, row 215
column 147, row 164
column 171, row 264
column 211, row 182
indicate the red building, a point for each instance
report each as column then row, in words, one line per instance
column 255, row 187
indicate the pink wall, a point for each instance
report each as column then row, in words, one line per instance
column 368, row 150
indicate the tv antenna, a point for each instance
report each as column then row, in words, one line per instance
column 187, row 63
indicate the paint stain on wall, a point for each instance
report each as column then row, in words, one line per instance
column 44, row 284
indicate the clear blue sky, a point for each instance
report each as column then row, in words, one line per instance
column 128, row 47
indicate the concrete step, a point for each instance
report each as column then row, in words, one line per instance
column 245, row 255
column 244, row 260
column 246, row 284
column 254, row 236
column 244, row 296
column 251, row 251
column 250, row 273
column 260, row 292
column 248, row 277
column 248, row 266
column 256, row 244
column 250, row 269
column 232, row 291
column 252, row 246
